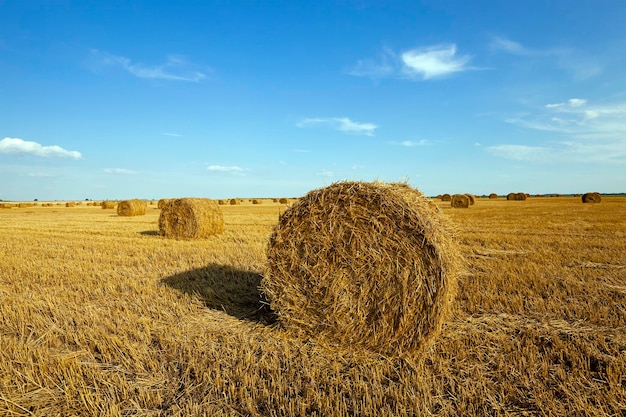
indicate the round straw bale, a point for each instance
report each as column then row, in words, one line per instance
column 516, row 196
column 283, row 201
column 162, row 202
column 234, row 202
column 493, row 195
column 372, row 265
column 446, row 197
column 69, row 204
column 471, row 199
column 591, row 198
column 131, row 208
column 107, row 204
column 460, row 201
column 191, row 218
column 255, row 201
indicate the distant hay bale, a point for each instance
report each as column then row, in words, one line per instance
column 107, row 204
column 283, row 201
column 69, row 204
column 591, row 197
column 460, row 201
column 257, row 201
column 162, row 203
column 493, row 195
column 131, row 208
column 234, row 202
column 446, row 197
column 221, row 202
column 191, row 218
column 372, row 265
column 471, row 199
column 516, row 196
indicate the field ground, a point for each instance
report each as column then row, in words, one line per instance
column 99, row 315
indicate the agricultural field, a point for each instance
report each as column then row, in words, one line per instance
column 102, row 316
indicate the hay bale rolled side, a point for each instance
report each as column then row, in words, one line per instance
column 446, row 197
column 460, row 201
column 371, row 265
column 162, row 203
column 107, row 205
column 591, row 197
column 471, row 199
column 191, row 218
column 493, row 196
column 131, row 208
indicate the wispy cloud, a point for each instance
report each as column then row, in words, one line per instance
column 121, row 171
column 423, row 63
column 325, row 173
column 176, row 67
column 234, row 170
column 16, row 146
column 342, row 124
column 576, row 62
column 175, row 135
column 586, row 133
column 410, row 143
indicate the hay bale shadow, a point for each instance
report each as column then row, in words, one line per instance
column 227, row 289
column 150, row 233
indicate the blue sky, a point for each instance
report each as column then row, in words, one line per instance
column 153, row 99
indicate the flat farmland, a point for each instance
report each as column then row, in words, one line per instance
column 100, row 315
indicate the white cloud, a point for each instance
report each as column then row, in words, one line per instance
column 325, row 173
column 410, row 143
column 577, row 63
column 342, row 124
column 176, row 135
column 423, row 63
column 234, row 170
column 433, row 61
column 176, row 68
column 586, row 133
column 23, row 147
column 122, row 171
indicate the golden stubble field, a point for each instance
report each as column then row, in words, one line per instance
column 101, row 316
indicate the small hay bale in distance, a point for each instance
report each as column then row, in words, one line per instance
column 460, row 201
column 446, row 197
column 69, row 204
column 591, row 198
column 191, row 218
column 234, row 202
column 283, row 201
column 493, row 196
column 516, row 196
column 108, row 205
column 131, row 208
column 370, row 265
column 255, row 201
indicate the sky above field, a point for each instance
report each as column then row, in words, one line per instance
column 155, row 99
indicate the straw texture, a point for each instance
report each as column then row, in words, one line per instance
column 372, row 265
column 191, row 218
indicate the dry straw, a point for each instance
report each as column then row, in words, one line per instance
column 516, row 196
column 591, row 198
column 162, row 203
column 460, row 201
column 131, row 208
column 108, row 204
column 370, row 265
column 471, row 199
column 191, row 218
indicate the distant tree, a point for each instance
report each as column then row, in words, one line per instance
column 36, row 199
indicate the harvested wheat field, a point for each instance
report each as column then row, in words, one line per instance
column 100, row 315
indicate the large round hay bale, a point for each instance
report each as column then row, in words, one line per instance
column 371, row 265
column 493, row 196
column 131, row 208
column 591, row 198
column 107, row 204
column 471, row 199
column 446, row 197
column 191, row 218
column 460, row 201
column 162, row 203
